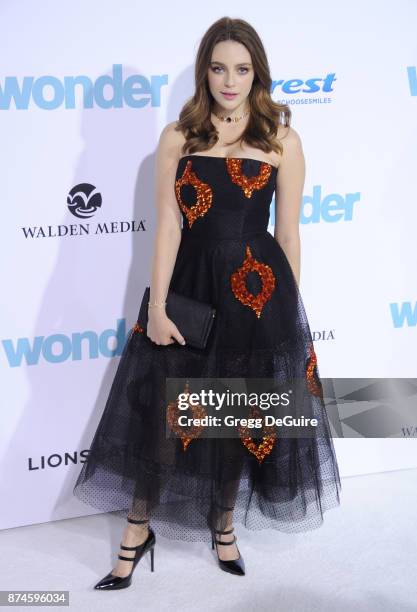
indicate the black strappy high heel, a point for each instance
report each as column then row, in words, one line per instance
column 233, row 566
column 111, row 582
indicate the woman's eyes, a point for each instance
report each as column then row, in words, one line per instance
column 215, row 68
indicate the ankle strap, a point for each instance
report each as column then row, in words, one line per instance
column 225, row 543
column 123, row 547
column 138, row 522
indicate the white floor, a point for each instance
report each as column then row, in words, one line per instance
column 362, row 559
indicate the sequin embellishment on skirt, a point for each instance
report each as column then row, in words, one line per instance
column 313, row 382
column 186, row 435
column 262, row 449
column 237, row 280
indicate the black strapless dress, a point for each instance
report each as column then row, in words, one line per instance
column 227, row 257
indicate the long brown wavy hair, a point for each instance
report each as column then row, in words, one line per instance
column 265, row 114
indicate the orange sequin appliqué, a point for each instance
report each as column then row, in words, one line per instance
column 237, row 281
column 247, row 183
column 204, row 194
column 186, row 435
column 313, row 382
column 262, row 449
column 138, row 328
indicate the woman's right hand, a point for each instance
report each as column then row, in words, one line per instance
column 161, row 329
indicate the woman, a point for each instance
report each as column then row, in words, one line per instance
column 217, row 170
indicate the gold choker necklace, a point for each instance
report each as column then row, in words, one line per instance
column 230, row 119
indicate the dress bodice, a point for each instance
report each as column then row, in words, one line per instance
column 224, row 197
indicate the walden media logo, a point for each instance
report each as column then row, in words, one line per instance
column 83, row 201
column 58, row 348
column 48, row 92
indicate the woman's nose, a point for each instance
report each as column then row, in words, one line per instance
column 229, row 82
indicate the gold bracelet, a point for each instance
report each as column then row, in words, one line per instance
column 155, row 303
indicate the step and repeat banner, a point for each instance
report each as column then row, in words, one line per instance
column 85, row 90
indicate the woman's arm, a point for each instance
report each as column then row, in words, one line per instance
column 168, row 230
column 289, row 192
column 167, row 237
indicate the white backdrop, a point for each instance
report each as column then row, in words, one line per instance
column 68, row 301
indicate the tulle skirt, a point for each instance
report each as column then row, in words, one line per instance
column 134, row 468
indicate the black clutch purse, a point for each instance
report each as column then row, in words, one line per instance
column 193, row 318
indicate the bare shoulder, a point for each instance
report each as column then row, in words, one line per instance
column 288, row 136
column 291, row 142
column 170, row 142
column 169, row 131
